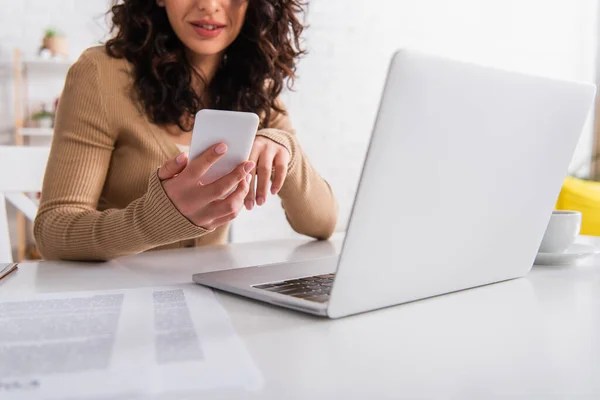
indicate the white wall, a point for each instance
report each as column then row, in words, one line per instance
column 350, row 42
column 22, row 25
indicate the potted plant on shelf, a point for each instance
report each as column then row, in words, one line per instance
column 44, row 119
column 55, row 43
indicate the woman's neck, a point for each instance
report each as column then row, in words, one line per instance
column 205, row 65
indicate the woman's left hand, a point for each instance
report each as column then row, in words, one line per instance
column 270, row 158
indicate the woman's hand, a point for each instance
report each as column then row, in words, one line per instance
column 204, row 205
column 270, row 158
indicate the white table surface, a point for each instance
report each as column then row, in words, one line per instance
column 530, row 338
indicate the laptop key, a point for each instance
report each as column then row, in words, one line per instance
column 323, row 298
column 309, row 279
column 279, row 289
column 265, row 286
column 326, row 276
column 302, row 295
column 280, row 284
column 313, row 288
column 291, row 291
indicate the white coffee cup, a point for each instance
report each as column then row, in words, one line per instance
column 562, row 231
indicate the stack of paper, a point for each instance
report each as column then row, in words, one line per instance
column 127, row 344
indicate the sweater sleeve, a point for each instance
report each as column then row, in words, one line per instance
column 309, row 203
column 68, row 224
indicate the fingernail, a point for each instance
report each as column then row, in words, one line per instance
column 248, row 178
column 260, row 201
column 180, row 158
column 221, row 148
column 249, row 166
column 249, row 204
column 274, row 190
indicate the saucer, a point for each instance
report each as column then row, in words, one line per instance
column 574, row 253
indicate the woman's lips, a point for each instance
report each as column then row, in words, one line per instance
column 208, row 29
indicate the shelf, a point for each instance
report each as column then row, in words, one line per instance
column 50, row 64
column 47, row 61
column 36, row 131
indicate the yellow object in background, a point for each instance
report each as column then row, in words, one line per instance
column 584, row 196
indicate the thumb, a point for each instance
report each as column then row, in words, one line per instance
column 172, row 167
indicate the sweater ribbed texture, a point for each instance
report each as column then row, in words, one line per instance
column 101, row 196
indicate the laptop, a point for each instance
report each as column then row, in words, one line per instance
column 462, row 172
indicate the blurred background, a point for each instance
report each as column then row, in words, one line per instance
column 337, row 92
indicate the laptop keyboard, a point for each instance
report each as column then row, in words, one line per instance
column 314, row 288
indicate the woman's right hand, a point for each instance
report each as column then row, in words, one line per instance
column 204, row 205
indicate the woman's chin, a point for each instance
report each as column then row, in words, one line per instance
column 206, row 49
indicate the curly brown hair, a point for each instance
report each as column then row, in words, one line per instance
column 251, row 77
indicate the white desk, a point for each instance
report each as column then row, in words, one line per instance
column 531, row 338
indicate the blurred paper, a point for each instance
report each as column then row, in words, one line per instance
column 125, row 344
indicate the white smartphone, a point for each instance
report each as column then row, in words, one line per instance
column 234, row 128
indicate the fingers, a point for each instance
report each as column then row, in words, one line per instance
column 227, row 209
column 234, row 202
column 223, row 185
column 249, row 201
column 279, row 173
column 221, row 221
column 250, row 197
column 199, row 165
column 172, row 167
column 263, row 172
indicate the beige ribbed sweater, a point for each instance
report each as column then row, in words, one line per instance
column 101, row 196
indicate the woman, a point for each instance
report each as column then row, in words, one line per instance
column 129, row 105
